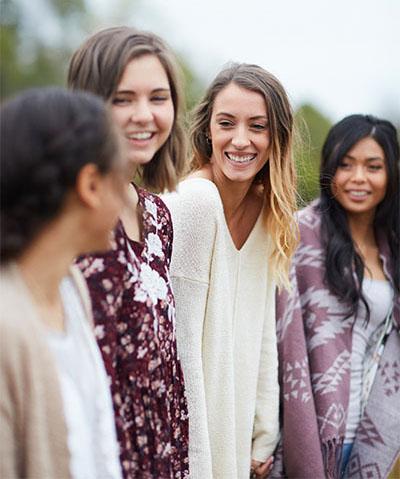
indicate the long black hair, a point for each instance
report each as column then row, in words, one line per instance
column 341, row 257
column 47, row 136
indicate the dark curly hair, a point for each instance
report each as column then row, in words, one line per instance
column 339, row 248
column 47, row 136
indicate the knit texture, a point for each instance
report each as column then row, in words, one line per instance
column 226, row 335
column 33, row 439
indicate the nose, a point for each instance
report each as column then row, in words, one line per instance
column 142, row 112
column 240, row 138
column 358, row 174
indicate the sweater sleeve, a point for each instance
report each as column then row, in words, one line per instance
column 266, row 423
column 193, row 213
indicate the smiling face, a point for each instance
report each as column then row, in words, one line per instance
column 142, row 107
column 239, row 134
column 359, row 184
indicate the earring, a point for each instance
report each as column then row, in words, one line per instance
column 208, row 139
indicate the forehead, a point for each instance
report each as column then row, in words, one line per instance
column 144, row 71
column 239, row 101
column 366, row 148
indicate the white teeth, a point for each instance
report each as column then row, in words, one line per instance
column 358, row 193
column 240, row 159
column 143, row 135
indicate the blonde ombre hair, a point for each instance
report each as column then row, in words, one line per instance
column 278, row 176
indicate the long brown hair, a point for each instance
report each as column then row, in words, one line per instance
column 98, row 65
column 278, row 175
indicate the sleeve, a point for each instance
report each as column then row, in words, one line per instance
column 266, row 423
column 8, row 435
column 194, row 225
column 298, row 412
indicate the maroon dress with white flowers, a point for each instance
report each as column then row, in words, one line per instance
column 134, row 316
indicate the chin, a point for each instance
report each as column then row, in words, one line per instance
column 141, row 160
column 241, row 177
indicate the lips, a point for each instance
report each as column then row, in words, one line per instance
column 240, row 158
column 358, row 195
column 140, row 135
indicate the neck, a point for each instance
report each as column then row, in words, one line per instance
column 44, row 264
column 362, row 229
column 234, row 195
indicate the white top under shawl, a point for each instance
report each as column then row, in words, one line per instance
column 225, row 300
column 86, row 396
column 379, row 295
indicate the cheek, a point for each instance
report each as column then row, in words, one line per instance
column 264, row 146
column 381, row 184
column 338, row 181
column 166, row 119
column 118, row 116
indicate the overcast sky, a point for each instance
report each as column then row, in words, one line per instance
column 341, row 55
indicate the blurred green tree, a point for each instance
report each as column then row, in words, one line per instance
column 28, row 58
column 312, row 127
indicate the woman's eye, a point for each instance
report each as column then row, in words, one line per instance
column 120, row 101
column 225, row 123
column 375, row 167
column 259, row 126
column 344, row 165
column 159, row 98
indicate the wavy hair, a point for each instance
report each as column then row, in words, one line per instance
column 278, row 176
column 340, row 251
column 98, row 65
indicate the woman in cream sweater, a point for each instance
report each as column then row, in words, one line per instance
column 233, row 238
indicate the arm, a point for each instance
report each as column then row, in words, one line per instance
column 266, row 423
column 194, row 235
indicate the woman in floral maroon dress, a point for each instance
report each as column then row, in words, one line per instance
column 130, row 286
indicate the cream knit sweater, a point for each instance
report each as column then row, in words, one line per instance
column 226, row 337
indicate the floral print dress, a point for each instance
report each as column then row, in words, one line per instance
column 134, row 314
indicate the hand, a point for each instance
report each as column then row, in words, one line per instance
column 260, row 470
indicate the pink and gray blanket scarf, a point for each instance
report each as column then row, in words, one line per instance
column 314, row 342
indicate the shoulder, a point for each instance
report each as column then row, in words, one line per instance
column 155, row 207
column 13, row 295
column 197, row 198
column 309, row 221
column 152, row 202
column 20, row 328
column 196, row 211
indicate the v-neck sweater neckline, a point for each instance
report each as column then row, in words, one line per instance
column 253, row 232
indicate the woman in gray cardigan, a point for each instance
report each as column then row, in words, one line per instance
column 61, row 184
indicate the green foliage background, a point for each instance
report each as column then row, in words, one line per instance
column 27, row 60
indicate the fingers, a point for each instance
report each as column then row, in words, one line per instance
column 264, row 469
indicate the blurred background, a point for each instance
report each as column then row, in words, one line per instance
column 334, row 58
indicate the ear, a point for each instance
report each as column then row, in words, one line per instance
column 89, row 185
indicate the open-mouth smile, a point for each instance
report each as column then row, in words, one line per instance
column 241, row 158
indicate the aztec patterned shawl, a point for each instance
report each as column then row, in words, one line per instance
column 314, row 343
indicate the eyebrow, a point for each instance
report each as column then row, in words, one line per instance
column 132, row 92
column 257, row 117
column 371, row 158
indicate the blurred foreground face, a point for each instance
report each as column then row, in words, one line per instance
column 112, row 199
column 239, row 133
column 142, row 107
column 359, row 184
